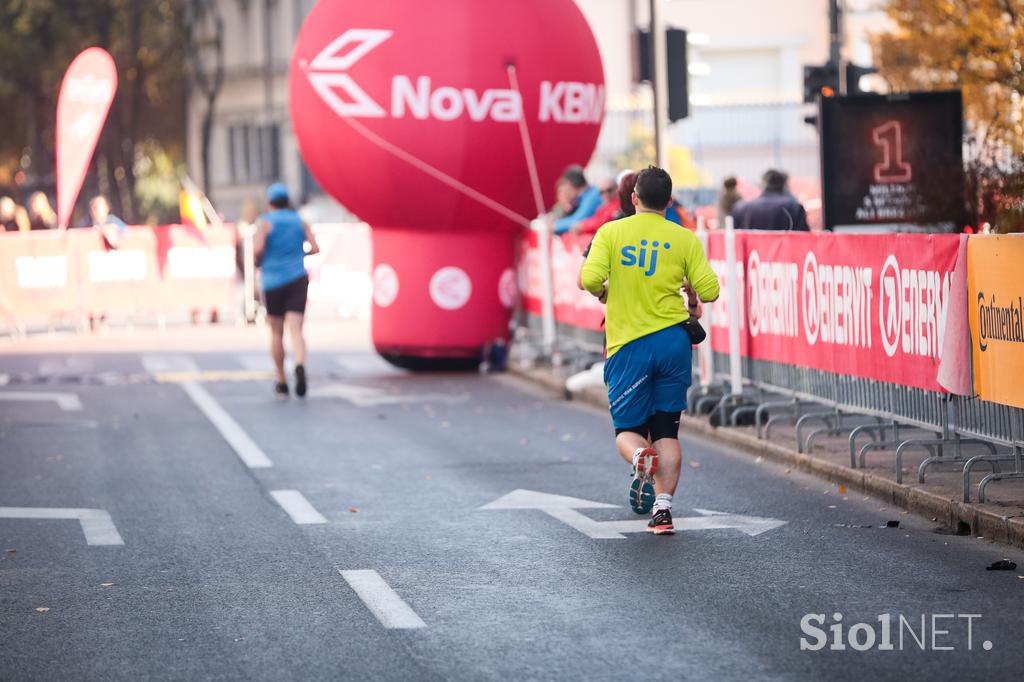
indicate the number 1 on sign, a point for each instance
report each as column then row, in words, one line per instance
column 889, row 136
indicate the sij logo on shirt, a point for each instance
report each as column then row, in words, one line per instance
column 633, row 255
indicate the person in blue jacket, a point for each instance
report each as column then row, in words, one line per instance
column 587, row 200
column 280, row 247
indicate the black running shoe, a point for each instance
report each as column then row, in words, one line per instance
column 661, row 523
column 300, row 381
column 281, row 389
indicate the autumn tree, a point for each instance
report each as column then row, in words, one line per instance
column 976, row 46
column 38, row 40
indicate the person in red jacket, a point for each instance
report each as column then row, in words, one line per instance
column 606, row 211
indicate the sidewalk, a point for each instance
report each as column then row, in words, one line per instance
column 1000, row 519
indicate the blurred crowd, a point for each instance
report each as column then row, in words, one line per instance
column 582, row 208
column 39, row 215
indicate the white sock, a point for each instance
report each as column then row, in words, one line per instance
column 663, row 501
column 636, row 454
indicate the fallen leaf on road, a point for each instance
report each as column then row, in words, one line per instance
column 106, row 584
column 353, row 510
column 788, row 471
column 694, row 465
column 842, row 489
column 42, row 609
column 428, row 477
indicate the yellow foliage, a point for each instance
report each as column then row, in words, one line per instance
column 974, row 45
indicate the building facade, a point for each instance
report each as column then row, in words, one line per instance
column 746, row 83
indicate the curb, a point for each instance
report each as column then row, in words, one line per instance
column 949, row 511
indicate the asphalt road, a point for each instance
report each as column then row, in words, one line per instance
column 216, row 579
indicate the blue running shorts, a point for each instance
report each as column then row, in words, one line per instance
column 647, row 375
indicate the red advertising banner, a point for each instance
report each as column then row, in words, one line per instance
column 872, row 306
column 155, row 269
column 573, row 306
column 85, row 95
column 863, row 305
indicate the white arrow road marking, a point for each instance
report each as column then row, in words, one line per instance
column 297, row 506
column 564, row 509
column 97, row 525
column 65, row 401
column 365, row 396
column 383, row 601
column 239, row 440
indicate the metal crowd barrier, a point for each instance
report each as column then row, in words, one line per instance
column 890, row 416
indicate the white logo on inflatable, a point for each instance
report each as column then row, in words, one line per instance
column 450, row 288
column 809, row 299
column 385, row 285
column 561, row 102
column 328, row 68
column 890, row 312
column 507, row 288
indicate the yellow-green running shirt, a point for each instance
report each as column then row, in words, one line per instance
column 644, row 259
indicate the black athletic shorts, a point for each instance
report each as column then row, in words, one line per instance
column 290, row 298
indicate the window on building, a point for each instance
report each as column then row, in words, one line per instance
column 254, row 153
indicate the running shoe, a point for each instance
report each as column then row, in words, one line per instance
column 300, row 381
column 281, row 389
column 641, row 489
column 661, row 523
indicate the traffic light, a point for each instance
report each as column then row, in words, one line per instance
column 820, row 80
column 853, row 74
column 678, row 74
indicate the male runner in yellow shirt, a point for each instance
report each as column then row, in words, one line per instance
column 640, row 263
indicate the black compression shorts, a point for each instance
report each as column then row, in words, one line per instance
column 290, row 298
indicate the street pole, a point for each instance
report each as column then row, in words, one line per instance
column 659, row 83
column 835, row 38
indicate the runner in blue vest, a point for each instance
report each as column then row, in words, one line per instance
column 280, row 248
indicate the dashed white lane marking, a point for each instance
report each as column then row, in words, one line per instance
column 383, row 601
column 163, row 364
column 297, row 506
column 239, row 440
column 96, row 524
column 65, row 401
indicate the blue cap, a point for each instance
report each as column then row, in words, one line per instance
column 277, row 192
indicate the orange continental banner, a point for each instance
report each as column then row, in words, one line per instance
column 995, row 280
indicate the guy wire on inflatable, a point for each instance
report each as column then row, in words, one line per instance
column 444, row 125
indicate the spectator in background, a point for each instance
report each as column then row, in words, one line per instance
column 12, row 216
column 727, row 199
column 565, row 197
column 627, row 181
column 586, row 199
column 775, row 209
column 109, row 225
column 41, row 215
column 606, row 211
